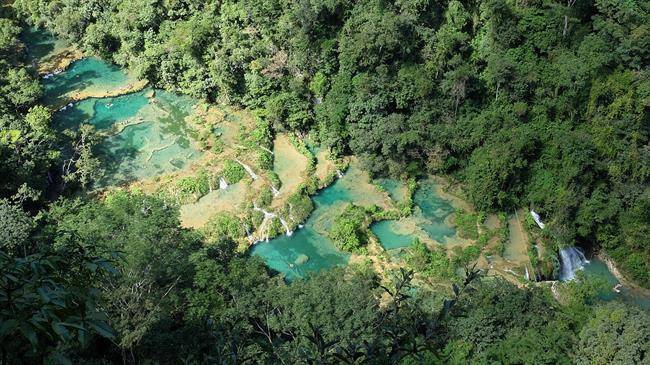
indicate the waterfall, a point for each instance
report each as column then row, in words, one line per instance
column 287, row 231
column 222, row 183
column 267, row 150
column 572, row 259
column 248, row 169
column 537, row 219
column 269, row 215
column 274, row 190
column 339, row 173
column 527, row 274
column 249, row 235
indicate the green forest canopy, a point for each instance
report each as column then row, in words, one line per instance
column 531, row 103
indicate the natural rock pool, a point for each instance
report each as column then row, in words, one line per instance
column 428, row 221
column 309, row 249
column 145, row 133
column 84, row 78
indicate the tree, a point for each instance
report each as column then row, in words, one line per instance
column 615, row 334
column 16, row 227
column 49, row 300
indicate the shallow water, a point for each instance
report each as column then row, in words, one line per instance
column 146, row 135
column 284, row 254
column 517, row 248
column 88, row 76
column 434, row 210
column 288, row 163
column 428, row 219
column 598, row 269
column 220, row 200
column 386, row 231
column 396, row 189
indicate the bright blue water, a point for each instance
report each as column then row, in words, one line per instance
column 281, row 253
column 389, row 239
column 429, row 215
column 598, row 269
column 146, row 135
column 395, row 188
column 86, row 75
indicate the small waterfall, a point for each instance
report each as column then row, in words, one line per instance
column 248, row 169
column 275, row 191
column 527, row 274
column 537, row 219
column 269, row 215
column 249, row 235
column 572, row 259
column 339, row 173
column 287, row 231
column 267, row 150
column 222, row 183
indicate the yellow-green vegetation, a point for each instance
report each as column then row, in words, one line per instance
column 431, row 264
column 467, row 224
column 350, row 229
column 191, row 188
column 233, row 172
column 223, row 226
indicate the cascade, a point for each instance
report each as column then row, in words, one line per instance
column 249, row 235
column 527, row 274
column 222, row 183
column 287, row 231
column 572, row 259
column 269, row 215
column 274, row 190
column 248, row 169
column 537, row 219
column 339, row 173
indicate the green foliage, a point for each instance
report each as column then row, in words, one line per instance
column 191, row 188
column 504, row 324
column 349, row 231
column 233, row 172
column 464, row 256
column 615, row 334
column 222, row 226
column 264, row 198
column 537, row 104
column 50, row 299
column 305, row 151
column 265, row 160
column 16, row 227
column 467, row 224
column 300, row 207
column 431, row 264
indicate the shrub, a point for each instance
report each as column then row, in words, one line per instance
column 223, row 225
column 466, row 223
column 233, row 172
column 348, row 232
